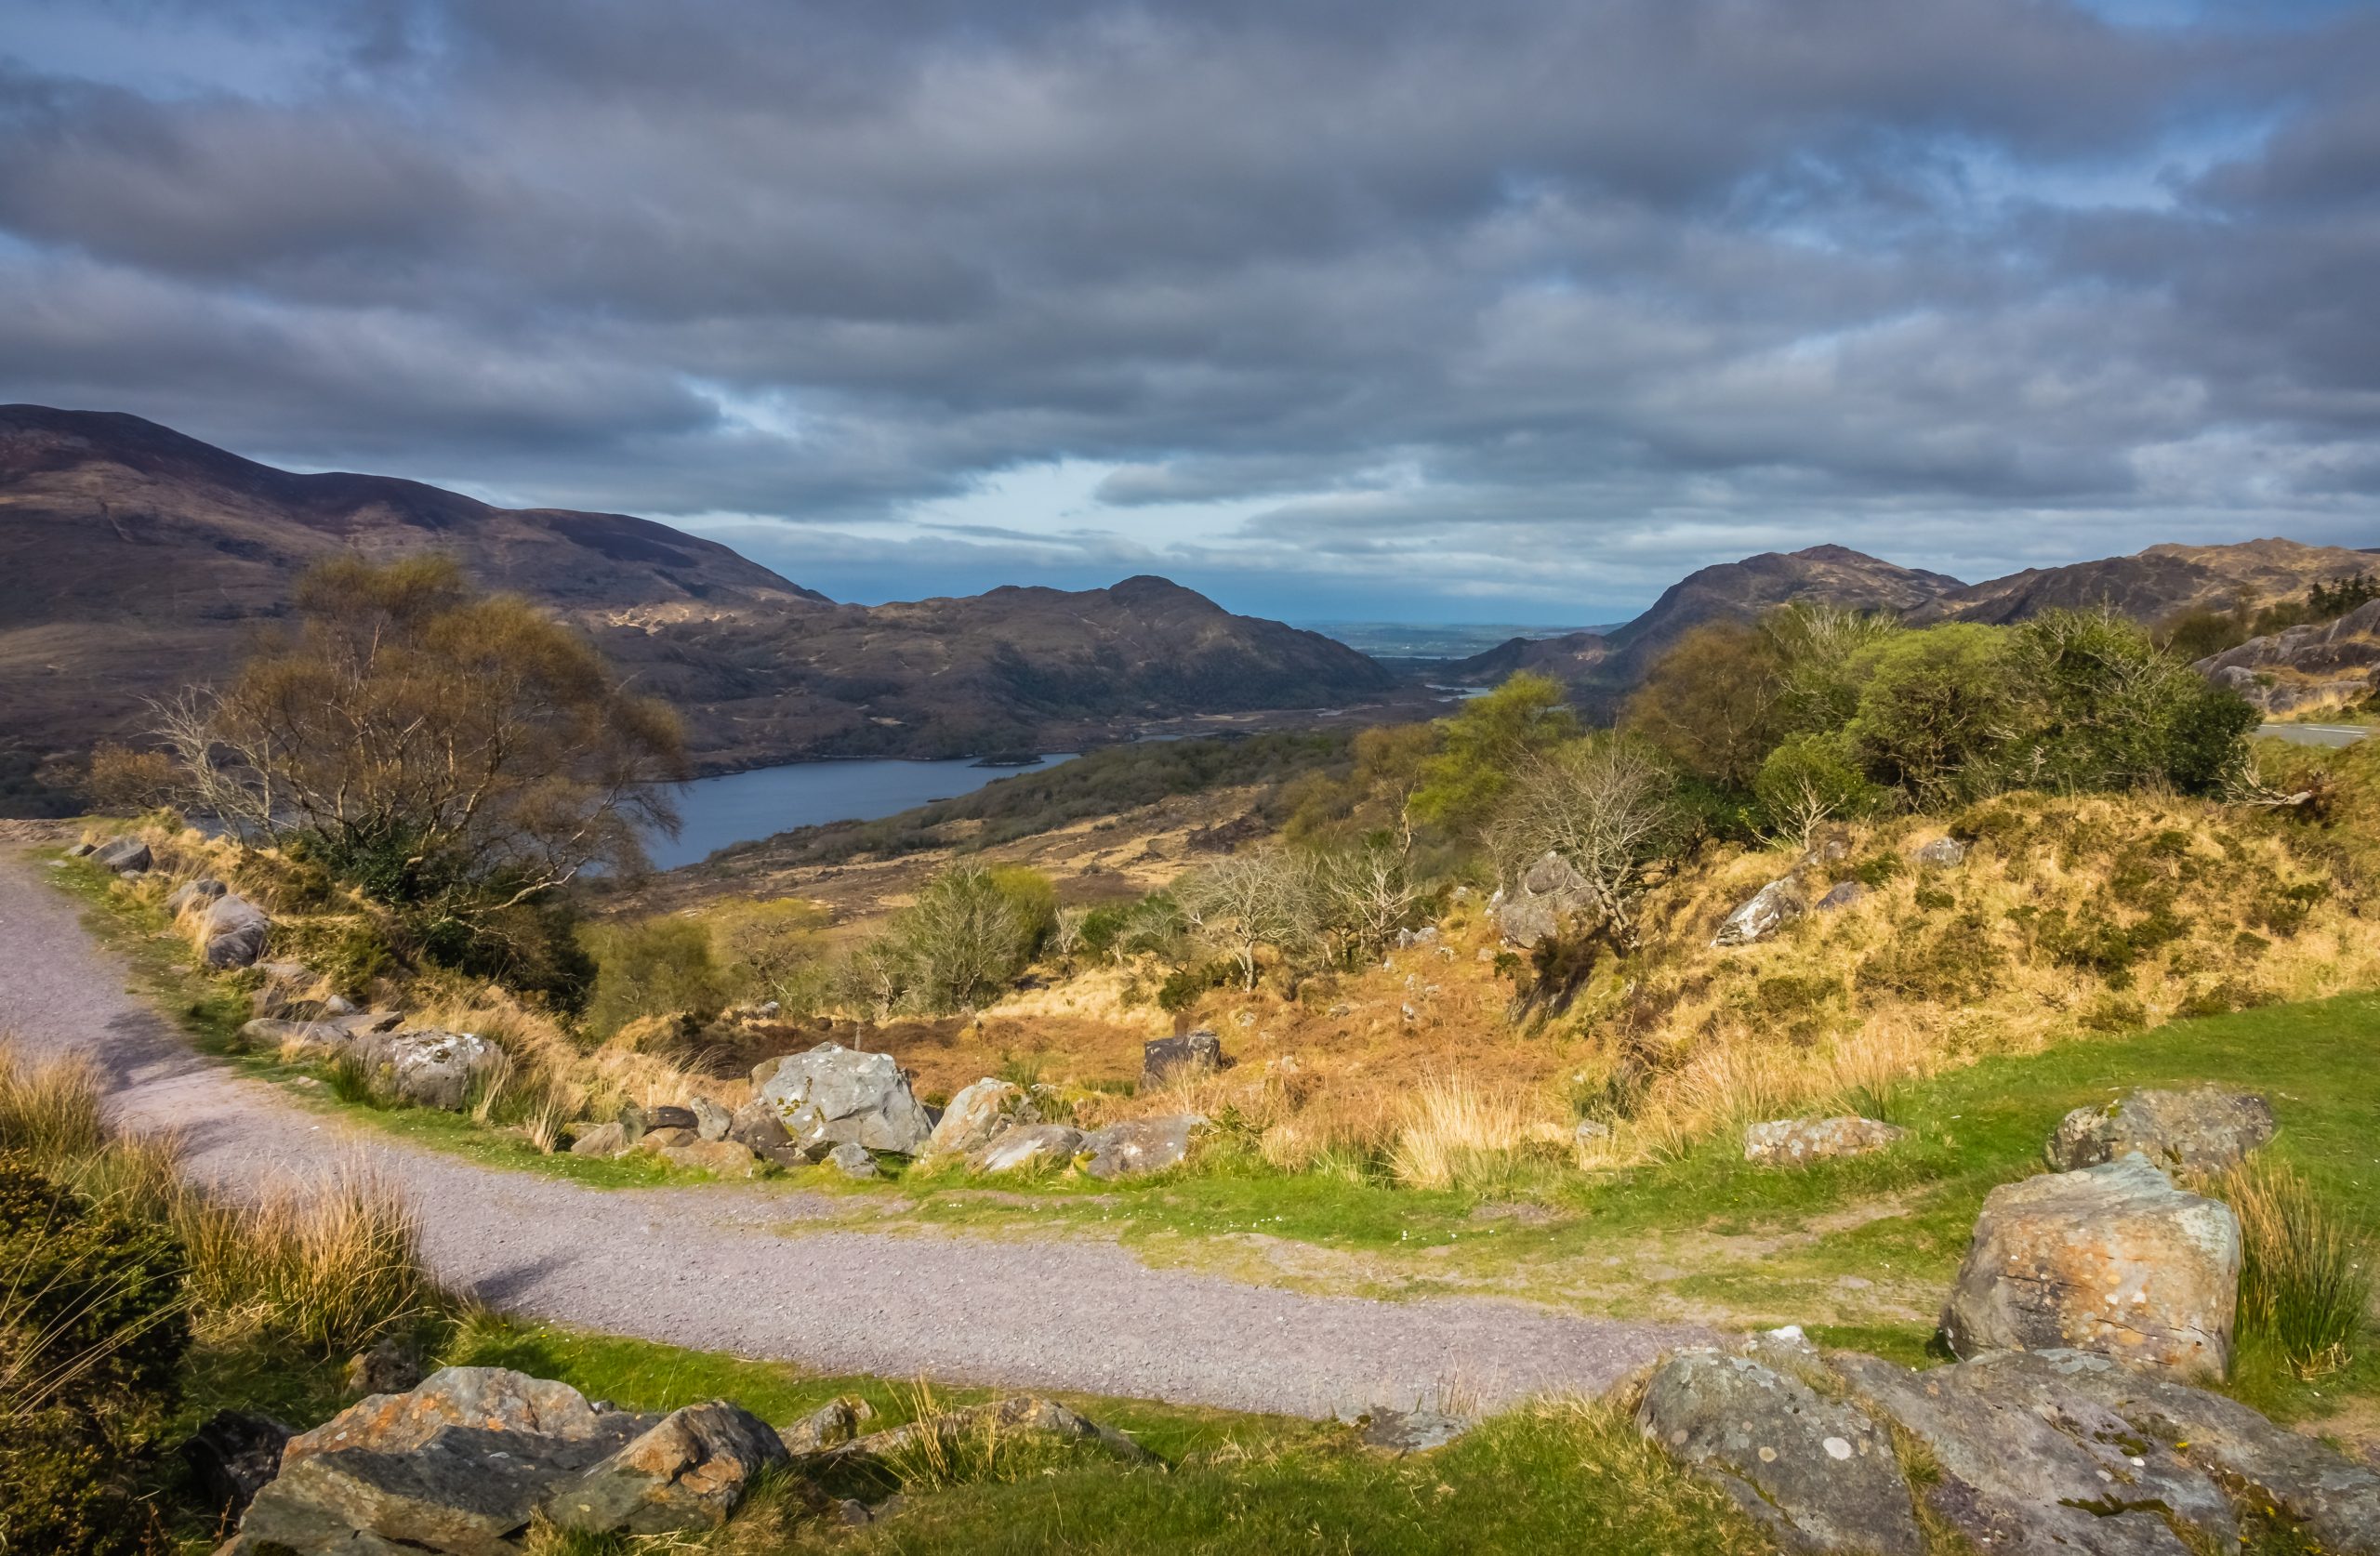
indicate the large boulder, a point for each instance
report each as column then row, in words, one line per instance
column 2013, row 1475
column 1138, row 1146
column 2201, row 1131
column 833, row 1094
column 458, row 1465
column 1819, row 1473
column 1029, row 1145
column 975, row 1117
column 1548, row 892
column 432, row 1068
column 1794, row 1141
column 689, row 1471
column 2112, row 1259
column 124, row 855
column 1767, row 910
column 232, row 932
column 1170, row 1059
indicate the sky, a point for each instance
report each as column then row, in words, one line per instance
column 1504, row 310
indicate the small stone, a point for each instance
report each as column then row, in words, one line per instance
column 601, row 1140
column 852, row 1160
column 1410, row 1431
column 711, row 1121
column 1794, row 1141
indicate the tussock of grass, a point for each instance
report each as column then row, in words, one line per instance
column 2305, row 1274
column 51, row 1111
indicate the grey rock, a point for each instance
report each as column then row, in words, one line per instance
column 1819, row 1473
column 1138, row 1146
column 669, row 1115
column 976, row 1116
column 2112, row 1259
column 831, row 1425
column 850, row 1159
column 2333, row 1497
column 603, row 1140
column 234, row 932
column 688, row 1471
column 1548, row 892
column 1843, row 894
column 756, row 1127
column 124, row 855
column 2015, row 1477
column 433, row 1068
column 82, row 850
column 194, row 894
column 2201, row 1131
column 834, row 1094
column 1029, row 1145
column 711, row 1121
column 1941, row 854
column 1410, row 1431
column 1794, row 1141
column 1167, row 1059
column 1767, row 911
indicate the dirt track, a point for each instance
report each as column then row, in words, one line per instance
column 729, row 1269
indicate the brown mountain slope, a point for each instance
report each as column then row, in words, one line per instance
column 2156, row 583
column 134, row 560
column 1600, row 669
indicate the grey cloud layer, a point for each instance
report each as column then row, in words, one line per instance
column 1539, row 299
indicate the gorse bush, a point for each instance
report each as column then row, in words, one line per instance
column 2306, row 1270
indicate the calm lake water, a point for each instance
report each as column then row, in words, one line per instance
column 743, row 806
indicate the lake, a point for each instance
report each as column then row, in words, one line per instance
column 741, row 807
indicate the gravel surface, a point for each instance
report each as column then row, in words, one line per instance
column 728, row 1268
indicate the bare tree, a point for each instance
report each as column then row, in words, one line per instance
column 1246, row 902
column 1368, row 892
column 1607, row 805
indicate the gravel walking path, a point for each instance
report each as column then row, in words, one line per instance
column 720, row 1268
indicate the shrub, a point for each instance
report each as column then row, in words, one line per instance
column 652, row 968
column 2305, row 1274
column 1812, row 778
column 1936, row 712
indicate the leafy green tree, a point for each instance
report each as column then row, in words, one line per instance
column 1823, row 653
column 1940, row 711
column 1811, row 779
column 1711, row 703
column 1482, row 746
column 2110, row 710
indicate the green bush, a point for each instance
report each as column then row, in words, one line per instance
column 1811, row 779
column 652, row 967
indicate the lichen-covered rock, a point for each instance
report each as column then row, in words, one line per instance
column 2022, row 1475
column 1819, row 1473
column 2201, row 1131
column 2112, row 1259
column 492, row 1399
column 1029, row 1145
column 1399, row 1432
column 1843, row 894
column 433, row 1068
column 1170, row 1059
column 688, row 1471
column 975, row 1118
column 1767, row 910
column 756, row 1127
column 831, row 1425
column 1794, row 1141
column 1138, row 1146
column 833, row 1094
column 711, row 1121
column 234, row 932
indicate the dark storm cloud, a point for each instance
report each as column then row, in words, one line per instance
column 1368, row 301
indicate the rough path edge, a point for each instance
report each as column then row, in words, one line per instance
column 709, row 1268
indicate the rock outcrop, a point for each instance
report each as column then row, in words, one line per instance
column 1547, row 893
column 1819, row 1473
column 2111, row 1258
column 1767, row 910
column 975, row 1117
column 2325, row 666
column 2205, row 1129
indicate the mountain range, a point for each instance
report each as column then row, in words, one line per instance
column 134, row 560
column 1601, row 669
